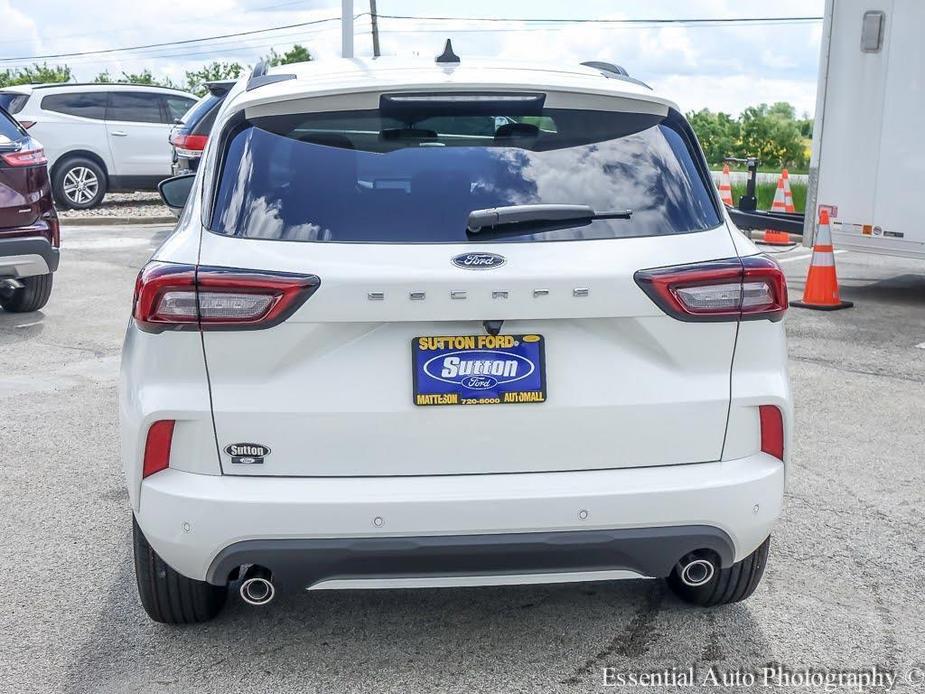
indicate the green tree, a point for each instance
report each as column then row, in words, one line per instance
column 143, row 77
column 36, row 74
column 297, row 54
column 772, row 134
column 212, row 72
column 806, row 125
column 718, row 134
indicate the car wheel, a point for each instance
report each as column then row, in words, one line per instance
column 32, row 296
column 727, row 585
column 168, row 596
column 79, row 184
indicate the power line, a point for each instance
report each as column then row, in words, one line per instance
column 110, row 32
column 218, row 45
column 177, row 43
column 531, row 20
column 545, row 27
column 546, row 23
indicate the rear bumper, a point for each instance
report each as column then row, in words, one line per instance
column 304, row 563
column 329, row 528
column 26, row 257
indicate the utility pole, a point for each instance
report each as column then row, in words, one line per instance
column 346, row 28
column 375, row 24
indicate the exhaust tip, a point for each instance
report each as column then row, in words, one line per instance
column 696, row 572
column 257, row 587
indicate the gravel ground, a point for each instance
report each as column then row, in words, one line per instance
column 141, row 204
column 843, row 589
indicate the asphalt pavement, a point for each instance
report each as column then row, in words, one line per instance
column 843, row 590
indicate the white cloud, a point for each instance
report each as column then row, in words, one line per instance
column 726, row 68
column 17, row 23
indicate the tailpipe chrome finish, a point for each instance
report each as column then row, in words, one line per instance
column 257, row 586
column 695, row 571
column 11, row 283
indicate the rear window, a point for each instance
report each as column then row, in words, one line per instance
column 177, row 106
column 10, row 131
column 13, row 102
column 200, row 117
column 413, row 175
column 83, row 104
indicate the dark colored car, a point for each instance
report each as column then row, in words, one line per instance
column 29, row 232
column 190, row 135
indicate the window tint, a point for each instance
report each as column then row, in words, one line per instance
column 205, row 108
column 177, row 106
column 12, row 102
column 9, row 129
column 362, row 176
column 85, row 105
column 135, row 107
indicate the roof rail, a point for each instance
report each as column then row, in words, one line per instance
column 102, row 85
column 614, row 72
column 259, row 76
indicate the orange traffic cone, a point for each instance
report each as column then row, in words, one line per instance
column 788, row 194
column 772, row 237
column 725, row 187
column 821, row 291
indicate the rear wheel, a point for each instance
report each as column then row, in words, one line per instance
column 32, row 296
column 167, row 596
column 79, row 183
column 727, row 585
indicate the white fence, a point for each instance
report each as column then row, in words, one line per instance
column 742, row 177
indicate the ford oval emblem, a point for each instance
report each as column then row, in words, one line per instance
column 479, row 261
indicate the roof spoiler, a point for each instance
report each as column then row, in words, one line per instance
column 259, row 76
column 614, row 72
column 219, row 87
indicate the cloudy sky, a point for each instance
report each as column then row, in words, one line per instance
column 706, row 66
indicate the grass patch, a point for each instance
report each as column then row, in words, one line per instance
column 765, row 193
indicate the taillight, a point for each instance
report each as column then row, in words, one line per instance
column 189, row 146
column 157, row 447
column 749, row 288
column 176, row 297
column 25, row 157
column 772, row 430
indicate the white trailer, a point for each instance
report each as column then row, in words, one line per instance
column 868, row 159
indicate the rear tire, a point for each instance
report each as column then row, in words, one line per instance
column 32, row 296
column 167, row 596
column 79, row 183
column 727, row 585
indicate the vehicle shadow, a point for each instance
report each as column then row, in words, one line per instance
column 908, row 289
column 519, row 638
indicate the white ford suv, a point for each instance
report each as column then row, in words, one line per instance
column 452, row 323
column 99, row 138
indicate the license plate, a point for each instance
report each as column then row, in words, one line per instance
column 479, row 369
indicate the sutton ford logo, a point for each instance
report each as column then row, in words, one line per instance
column 479, row 261
column 478, row 369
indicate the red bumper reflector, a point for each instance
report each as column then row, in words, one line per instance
column 157, row 447
column 772, row 431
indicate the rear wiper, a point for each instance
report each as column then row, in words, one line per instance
column 519, row 219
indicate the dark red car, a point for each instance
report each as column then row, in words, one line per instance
column 29, row 232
